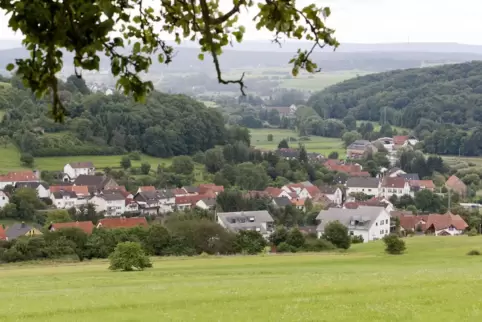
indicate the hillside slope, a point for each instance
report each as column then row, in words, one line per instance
column 449, row 94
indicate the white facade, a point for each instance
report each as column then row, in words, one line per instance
column 73, row 173
column 387, row 192
column 65, row 202
column 43, row 192
column 288, row 190
column 111, row 207
column 365, row 190
column 336, row 197
column 3, row 199
column 450, row 230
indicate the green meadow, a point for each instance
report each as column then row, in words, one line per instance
column 434, row 281
column 323, row 145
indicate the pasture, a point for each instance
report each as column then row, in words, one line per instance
column 323, row 145
column 435, row 280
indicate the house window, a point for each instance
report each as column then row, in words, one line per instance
column 381, row 232
column 363, row 190
column 376, row 224
column 351, row 233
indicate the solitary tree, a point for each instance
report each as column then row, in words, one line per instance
column 125, row 162
column 283, row 144
column 145, row 168
column 128, row 256
column 337, row 234
column 270, row 137
column 27, row 159
column 51, row 26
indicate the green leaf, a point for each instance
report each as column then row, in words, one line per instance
column 10, row 67
column 200, row 56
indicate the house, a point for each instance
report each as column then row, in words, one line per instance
column 21, row 229
column 359, row 148
column 410, row 223
column 333, row 193
column 337, row 166
column 75, row 169
column 112, row 203
column 373, row 202
column 131, row 205
column 400, row 140
column 63, row 199
column 277, row 192
column 12, row 178
column 386, row 142
column 4, row 199
column 281, row 202
column 445, row 225
column 43, row 190
column 417, row 185
column 371, row 223
column 209, row 188
column 189, row 202
column 260, row 221
column 206, row 204
column 309, row 192
column 366, row 185
column 146, row 188
column 395, row 172
column 397, row 186
column 85, row 226
column 409, row 176
column 456, row 185
column 3, row 236
column 191, row 190
column 154, row 202
column 95, row 183
column 288, row 153
column 293, row 187
column 122, row 222
column 299, row 203
column 122, row 190
column 82, row 195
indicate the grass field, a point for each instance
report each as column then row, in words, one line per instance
column 434, row 281
column 452, row 160
column 377, row 126
column 259, row 139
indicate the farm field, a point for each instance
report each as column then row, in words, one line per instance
column 434, row 279
column 323, row 145
column 377, row 126
column 453, row 160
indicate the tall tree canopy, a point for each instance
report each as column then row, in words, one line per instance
column 90, row 27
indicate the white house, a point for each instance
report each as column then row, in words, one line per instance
column 75, row 169
column 398, row 186
column 366, row 185
column 43, row 190
column 206, row 204
column 333, row 193
column 3, row 199
column 386, row 142
column 113, row 203
column 260, row 221
column 154, row 202
column 64, row 199
column 372, row 223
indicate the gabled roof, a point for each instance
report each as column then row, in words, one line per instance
column 313, row 190
column 410, row 176
column 422, row 184
column 86, row 226
column 64, row 193
column 455, row 183
column 146, row 188
column 17, row 230
column 191, row 189
column 112, row 196
column 210, row 202
column 362, row 182
column 243, row 220
column 400, row 139
column 440, row 222
column 193, row 199
column 273, row 192
column 393, row 182
column 122, row 222
column 19, row 176
column 31, row 185
column 298, row 202
column 3, row 236
column 282, row 201
column 81, row 165
column 204, row 188
column 361, row 218
column 89, row 180
column 359, row 145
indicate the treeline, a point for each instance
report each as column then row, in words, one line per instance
column 165, row 126
column 448, row 94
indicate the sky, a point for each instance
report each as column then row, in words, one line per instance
column 378, row 21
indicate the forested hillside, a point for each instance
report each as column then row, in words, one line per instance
column 449, row 94
column 96, row 124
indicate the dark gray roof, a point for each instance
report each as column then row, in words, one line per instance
column 361, row 218
column 17, row 230
column 410, row 176
column 113, row 196
column 362, row 182
column 31, row 185
column 328, row 190
column 245, row 220
column 359, row 144
column 282, row 201
column 98, row 182
column 60, row 194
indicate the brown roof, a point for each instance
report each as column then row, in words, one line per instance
column 440, row 222
column 395, row 182
column 19, row 176
column 203, row 188
column 193, row 199
column 273, row 192
column 427, row 184
column 86, row 226
column 313, row 190
column 123, row 222
column 298, row 202
column 455, row 183
column 410, row 222
column 147, row 188
column 400, row 139
column 81, row 165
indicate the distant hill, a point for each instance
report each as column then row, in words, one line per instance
column 450, row 94
column 256, row 54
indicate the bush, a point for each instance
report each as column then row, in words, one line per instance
column 337, row 234
column 295, row 238
column 472, row 232
column 333, row 155
column 27, row 159
column 473, row 252
column 285, row 248
column 250, row 242
column 394, row 245
column 357, row 239
column 128, row 256
column 318, row 245
column 135, row 155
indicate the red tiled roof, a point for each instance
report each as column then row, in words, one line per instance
column 400, row 139
column 192, row 200
column 331, row 162
column 298, row 202
column 86, row 226
column 203, row 188
column 123, row 222
column 347, row 168
column 395, row 182
column 2, row 233
column 59, row 188
column 19, row 176
column 147, row 188
column 80, row 190
column 427, row 184
column 360, row 174
column 313, row 190
column 455, row 183
column 440, row 222
column 273, row 192
column 410, row 222
column 179, row 192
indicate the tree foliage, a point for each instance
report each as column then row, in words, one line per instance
column 128, row 256
column 337, row 234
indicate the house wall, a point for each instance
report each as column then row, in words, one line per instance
column 388, row 192
column 304, row 194
column 75, row 172
column 183, row 206
column 380, row 228
column 4, row 200
column 367, row 191
column 42, row 192
column 451, row 230
column 64, row 203
column 99, row 203
column 115, row 207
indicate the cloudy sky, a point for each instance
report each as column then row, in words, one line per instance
column 381, row 21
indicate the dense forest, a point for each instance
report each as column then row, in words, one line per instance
column 449, row 94
column 166, row 125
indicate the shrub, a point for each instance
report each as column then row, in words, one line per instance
column 135, row 155
column 270, row 137
column 250, row 242
column 27, row 159
column 473, row 252
column 333, row 155
column 128, row 256
column 318, row 245
column 285, row 248
column 337, row 234
column 394, row 245
column 472, row 232
column 357, row 239
column 295, row 238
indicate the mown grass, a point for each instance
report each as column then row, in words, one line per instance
column 435, row 280
column 259, row 139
